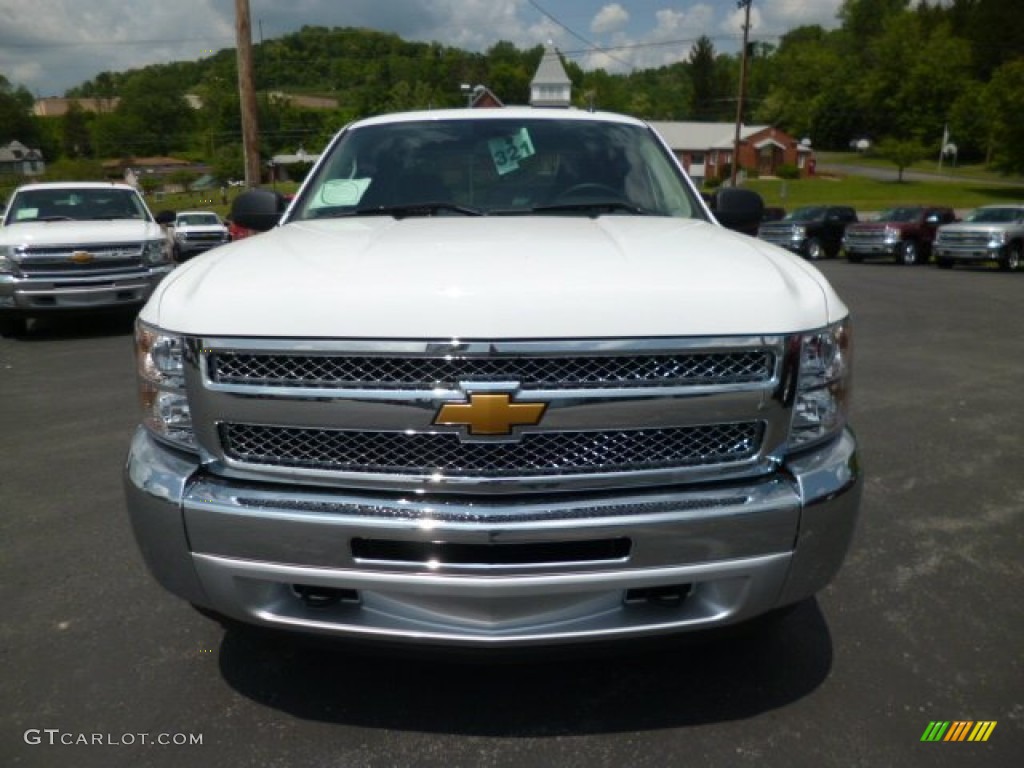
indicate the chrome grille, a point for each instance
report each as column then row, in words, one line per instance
column 110, row 257
column 390, row 372
column 865, row 238
column 979, row 239
column 536, row 455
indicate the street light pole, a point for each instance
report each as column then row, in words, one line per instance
column 745, row 4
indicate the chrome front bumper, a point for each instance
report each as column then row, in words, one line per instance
column 969, row 252
column 33, row 294
column 493, row 571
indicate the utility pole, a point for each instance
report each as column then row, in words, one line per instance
column 745, row 4
column 247, row 94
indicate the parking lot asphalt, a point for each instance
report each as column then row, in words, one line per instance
column 924, row 623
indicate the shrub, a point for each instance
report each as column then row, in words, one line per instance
column 787, row 171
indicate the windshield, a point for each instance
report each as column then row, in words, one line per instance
column 996, row 215
column 197, row 220
column 57, row 204
column 900, row 214
column 806, row 214
column 505, row 166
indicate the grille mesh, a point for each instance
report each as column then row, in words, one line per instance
column 372, row 372
column 866, row 238
column 537, row 454
column 106, row 258
column 979, row 239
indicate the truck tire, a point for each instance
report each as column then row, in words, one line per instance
column 906, row 254
column 1011, row 258
column 12, row 326
column 814, row 249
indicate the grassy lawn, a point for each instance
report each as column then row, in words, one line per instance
column 976, row 172
column 866, row 194
column 971, row 187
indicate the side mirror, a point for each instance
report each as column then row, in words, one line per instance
column 163, row 218
column 738, row 209
column 258, row 209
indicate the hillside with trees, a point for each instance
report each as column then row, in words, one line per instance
column 893, row 71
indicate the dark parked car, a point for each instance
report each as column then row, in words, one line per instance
column 905, row 234
column 813, row 231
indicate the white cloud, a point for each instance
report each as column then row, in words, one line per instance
column 779, row 16
column 609, row 19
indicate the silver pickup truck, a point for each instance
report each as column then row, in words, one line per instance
column 990, row 233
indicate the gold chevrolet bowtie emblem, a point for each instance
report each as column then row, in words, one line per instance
column 81, row 257
column 490, row 414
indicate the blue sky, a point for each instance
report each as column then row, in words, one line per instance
column 49, row 46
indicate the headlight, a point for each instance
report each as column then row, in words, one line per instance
column 7, row 258
column 799, row 233
column 160, row 364
column 155, row 252
column 997, row 239
column 892, row 234
column 823, row 388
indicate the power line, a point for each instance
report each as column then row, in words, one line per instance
column 585, row 41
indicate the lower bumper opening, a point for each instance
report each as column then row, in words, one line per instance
column 668, row 596
column 313, row 596
column 441, row 553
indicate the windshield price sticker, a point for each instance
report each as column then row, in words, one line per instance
column 508, row 151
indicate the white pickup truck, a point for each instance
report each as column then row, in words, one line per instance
column 195, row 232
column 494, row 377
column 77, row 246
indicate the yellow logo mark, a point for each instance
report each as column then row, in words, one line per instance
column 81, row 257
column 490, row 414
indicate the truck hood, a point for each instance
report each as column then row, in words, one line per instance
column 489, row 277
column 981, row 226
column 57, row 233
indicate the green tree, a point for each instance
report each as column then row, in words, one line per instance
column 16, row 120
column 153, row 105
column 902, row 153
column 75, row 169
column 1003, row 100
column 916, row 77
column 808, row 90
column 703, row 99
column 228, row 163
column 971, row 127
column 74, row 132
column 150, row 184
column 864, row 20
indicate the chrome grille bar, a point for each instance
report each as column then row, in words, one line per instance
column 587, row 372
column 536, row 455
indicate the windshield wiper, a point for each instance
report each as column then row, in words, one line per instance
column 594, row 207
column 418, row 209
